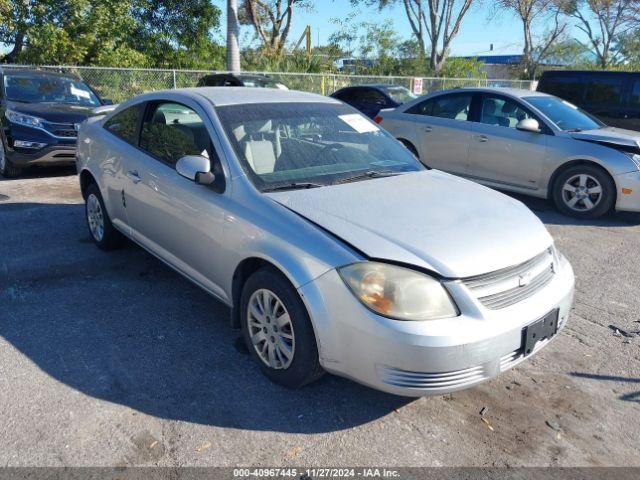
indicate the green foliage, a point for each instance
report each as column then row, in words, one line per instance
column 126, row 33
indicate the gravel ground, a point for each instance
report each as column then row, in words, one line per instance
column 112, row 359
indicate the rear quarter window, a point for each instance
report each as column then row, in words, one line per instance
column 124, row 124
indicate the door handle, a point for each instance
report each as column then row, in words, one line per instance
column 133, row 175
column 482, row 138
column 427, row 128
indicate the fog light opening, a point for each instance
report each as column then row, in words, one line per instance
column 27, row 144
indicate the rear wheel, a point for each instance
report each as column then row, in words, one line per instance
column 7, row 169
column 277, row 330
column 102, row 231
column 584, row 191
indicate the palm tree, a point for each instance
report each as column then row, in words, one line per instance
column 233, row 31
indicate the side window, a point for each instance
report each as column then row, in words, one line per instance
column 373, row 97
column 455, row 107
column 604, row 90
column 171, row 130
column 502, row 112
column 634, row 98
column 125, row 124
column 422, row 108
column 567, row 88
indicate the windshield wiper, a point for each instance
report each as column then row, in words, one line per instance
column 292, row 186
column 574, row 130
column 366, row 175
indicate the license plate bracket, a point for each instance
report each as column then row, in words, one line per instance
column 539, row 330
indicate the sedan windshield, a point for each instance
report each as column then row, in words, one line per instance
column 565, row 115
column 306, row 145
column 44, row 88
column 399, row 94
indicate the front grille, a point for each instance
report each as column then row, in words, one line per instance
column 511, row 285
column 431, row 381
column 66, row 130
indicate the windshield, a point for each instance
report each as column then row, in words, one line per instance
column 44, row 88
column 565, row 115
column 316, row 144
column 399, row 94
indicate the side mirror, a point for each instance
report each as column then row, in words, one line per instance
column 107, row 101
column 196, row 168
column 528, row 125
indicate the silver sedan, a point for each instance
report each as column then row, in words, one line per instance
column 526, row 142
column 335, row 248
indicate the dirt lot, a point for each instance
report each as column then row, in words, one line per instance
column 113, row 359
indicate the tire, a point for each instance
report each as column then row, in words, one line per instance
column 584, row 191
column 303, row 365
column 7, row 168
column 102, row 231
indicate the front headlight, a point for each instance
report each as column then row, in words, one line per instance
column 635, row 158
column 23, row 119
column 398, row 292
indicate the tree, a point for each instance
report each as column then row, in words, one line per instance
column 130, row 33
column 535, row 50
column 271, row 20
column 604, row 21
column 233, row 30
column 433, row 22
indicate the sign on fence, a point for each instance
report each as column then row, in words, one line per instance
column 417, row 86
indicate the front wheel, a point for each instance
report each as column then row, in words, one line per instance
column 7, row 168
column 277, row 330
column 584, row 191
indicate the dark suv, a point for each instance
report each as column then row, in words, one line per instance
column 613, row 97
column 40, row 113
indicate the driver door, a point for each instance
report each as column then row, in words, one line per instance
column 173, row 217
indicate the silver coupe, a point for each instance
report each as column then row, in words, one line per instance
column 335, row 248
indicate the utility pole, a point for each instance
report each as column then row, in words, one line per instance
column 233, row 32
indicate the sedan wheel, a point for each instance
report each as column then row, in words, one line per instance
column 270, row 329
column 582, row 193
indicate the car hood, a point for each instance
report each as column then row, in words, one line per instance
column 53, row 112
column 430, row 219
column 611, row 136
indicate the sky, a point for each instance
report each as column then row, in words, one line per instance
column 476, row 35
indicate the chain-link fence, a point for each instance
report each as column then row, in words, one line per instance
column 120, row 84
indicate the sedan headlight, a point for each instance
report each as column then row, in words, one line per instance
column 23, row 119
column 398, row 292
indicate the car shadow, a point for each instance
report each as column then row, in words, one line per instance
column 124, row 328
column 628, row 397
column 43, row 172
column 547, row 212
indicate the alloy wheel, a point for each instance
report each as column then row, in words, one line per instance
column 582, row 192
column 95, row 217
column 270, row 329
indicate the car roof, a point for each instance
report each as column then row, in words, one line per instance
column 36, row 73
column 590, row 73
column 222, row 96
column 513, row 92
